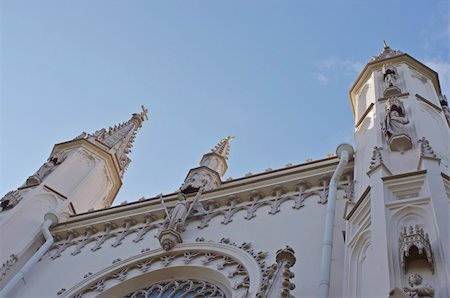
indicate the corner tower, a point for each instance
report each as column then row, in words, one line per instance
column 80, row 175
column 398, row 227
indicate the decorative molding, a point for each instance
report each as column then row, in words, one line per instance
column 212, row 208
column 383, row 99
column 423, row 99
column 358, row 202
column 239, row 264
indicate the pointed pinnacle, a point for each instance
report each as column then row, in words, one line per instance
column 385, row 45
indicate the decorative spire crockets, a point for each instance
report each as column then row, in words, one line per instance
column 118, row 140
column 223, row 147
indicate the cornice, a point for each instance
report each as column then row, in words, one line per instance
column 243, row 189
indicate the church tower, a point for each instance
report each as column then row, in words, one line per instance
column 397, row 234
column 80, row 175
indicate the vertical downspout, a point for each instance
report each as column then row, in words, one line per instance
column 344, row 152
column 50, row 220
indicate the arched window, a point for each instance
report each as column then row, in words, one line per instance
column 178, row 288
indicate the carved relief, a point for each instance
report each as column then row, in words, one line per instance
column 414, row 243
column 395, row 123
column 54, row 160
column 416, row 289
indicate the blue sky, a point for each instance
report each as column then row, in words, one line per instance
column 275, row 74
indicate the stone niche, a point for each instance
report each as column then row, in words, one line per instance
column 414, row 244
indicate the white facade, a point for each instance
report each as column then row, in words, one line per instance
column 264, row 235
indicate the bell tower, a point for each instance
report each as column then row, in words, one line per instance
column 80, row 175
column 398, row 227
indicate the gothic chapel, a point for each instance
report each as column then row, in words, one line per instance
column 371, row 221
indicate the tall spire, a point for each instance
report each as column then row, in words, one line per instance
column 223, row 147
column 119, row 139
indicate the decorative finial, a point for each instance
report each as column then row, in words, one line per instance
column 227, row 139
column 144, row 112
column 385, row 45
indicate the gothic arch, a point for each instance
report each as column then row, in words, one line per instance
column 231, row 268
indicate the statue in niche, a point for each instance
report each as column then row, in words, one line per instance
column 416, row 289
column 46, row 169
column 389, row 74
column 395, row 123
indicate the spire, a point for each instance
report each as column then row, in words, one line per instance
column 386, row 53
column 119, row 139
column 223, row 147
column 213, row 165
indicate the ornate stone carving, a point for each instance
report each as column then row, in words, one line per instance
column 62, row 247
column 54, row 160
column 414, row 243
column 231, row 267
column 394, row 125
column 174, row 224
column 102, row 238
column 276, row 279
column 416, row 289
column 7, row 265
column 425, row 148
column 377, row 158
column 197, row 211
column 10, row 200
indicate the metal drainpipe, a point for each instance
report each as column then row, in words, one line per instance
column 50, row 219
column 344, row 152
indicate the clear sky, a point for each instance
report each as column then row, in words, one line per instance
column 275, row 74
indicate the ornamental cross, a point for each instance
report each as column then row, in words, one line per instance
column 144, row 112
column 227, row 139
